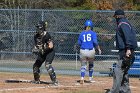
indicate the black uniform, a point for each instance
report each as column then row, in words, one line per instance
column 44, row 54
column 125, row 41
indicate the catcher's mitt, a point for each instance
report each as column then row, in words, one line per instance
column 37, row 51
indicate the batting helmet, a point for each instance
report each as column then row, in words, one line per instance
column 89, row 23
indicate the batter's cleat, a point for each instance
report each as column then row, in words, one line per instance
column 91, row 80
column 81, row 81
column 36, row 82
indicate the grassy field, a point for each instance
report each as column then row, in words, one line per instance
column 58, row 64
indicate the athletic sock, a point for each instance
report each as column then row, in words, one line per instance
column 83, row 70
column 90, row 73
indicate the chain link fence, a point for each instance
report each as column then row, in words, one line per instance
column 17, row 28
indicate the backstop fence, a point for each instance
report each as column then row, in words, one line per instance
column 17, row 27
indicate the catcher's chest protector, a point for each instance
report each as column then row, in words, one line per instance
column 39, row 42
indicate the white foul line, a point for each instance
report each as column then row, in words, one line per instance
column 12, row 89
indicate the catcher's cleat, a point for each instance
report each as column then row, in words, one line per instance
column 107, row 91
column 55, row 83
column 81, row 81
column 36, row 82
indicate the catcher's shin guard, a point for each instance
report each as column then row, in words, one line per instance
column 52, row 74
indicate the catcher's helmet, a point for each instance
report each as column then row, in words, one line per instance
column 41, row 25
column 89, row 23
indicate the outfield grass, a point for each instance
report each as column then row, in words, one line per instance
column 99, row 66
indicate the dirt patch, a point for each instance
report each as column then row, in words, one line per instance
column 67, row 84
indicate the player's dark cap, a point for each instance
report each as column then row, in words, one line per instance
column 119, row 12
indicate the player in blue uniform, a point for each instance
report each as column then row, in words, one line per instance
column 88, row 42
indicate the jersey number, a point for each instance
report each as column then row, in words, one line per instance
column 87, row 37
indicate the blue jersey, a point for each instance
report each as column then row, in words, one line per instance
column 87, row 39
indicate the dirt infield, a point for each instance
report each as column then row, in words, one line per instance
column 67, row 84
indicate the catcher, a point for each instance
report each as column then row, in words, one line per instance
column 44, row 50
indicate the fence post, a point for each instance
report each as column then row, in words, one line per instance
column 76, row 58
column 42, row 16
